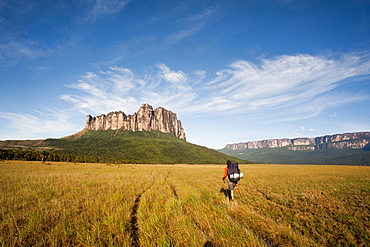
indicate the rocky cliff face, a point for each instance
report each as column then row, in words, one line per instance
column 349, row 140
column 146, row 119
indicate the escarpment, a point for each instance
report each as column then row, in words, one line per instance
column 356, row 140
column 145, row 119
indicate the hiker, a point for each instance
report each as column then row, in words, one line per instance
column 232, row 172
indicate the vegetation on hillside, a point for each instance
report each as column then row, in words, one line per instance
column 113, row 147
column 283, row 155
column 138, row 147
column 63, row 204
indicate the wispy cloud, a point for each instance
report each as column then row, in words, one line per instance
column 13, row 52
column 104, row 92
column 334, row 115
column 41, row 124
column 191, row 25
column 280, row 89
column 171, row 76
column 103, row 8
column 118, row 89
column 302, row 83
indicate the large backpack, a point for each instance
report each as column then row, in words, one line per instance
column 233, row 172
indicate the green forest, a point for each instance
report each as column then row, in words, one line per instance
column 45, row 156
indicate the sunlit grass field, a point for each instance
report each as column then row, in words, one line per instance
column 66, row 204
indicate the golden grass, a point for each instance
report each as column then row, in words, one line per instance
column 66, row 204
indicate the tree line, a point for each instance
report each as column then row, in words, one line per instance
column 47, row 156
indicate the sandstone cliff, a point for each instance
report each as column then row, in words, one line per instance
column 348, row 140
column 146, row 119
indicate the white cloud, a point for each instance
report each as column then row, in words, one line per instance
column 119, row 89
column 52, row 121
column 281, row 89
column 100, row 102
column 171, row 76
column 302, row 82
column 122, row 80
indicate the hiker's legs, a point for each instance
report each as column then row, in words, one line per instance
column 231, row 190
column 231, row 194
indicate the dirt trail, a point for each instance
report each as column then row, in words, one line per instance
column 135, row 241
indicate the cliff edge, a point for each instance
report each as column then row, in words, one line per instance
column 145, row 119
column 356, row 140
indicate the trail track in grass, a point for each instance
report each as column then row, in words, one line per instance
column 63, row 204
column 133, row 221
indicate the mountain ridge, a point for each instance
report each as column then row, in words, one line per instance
column 356, row 140
column 337, row 149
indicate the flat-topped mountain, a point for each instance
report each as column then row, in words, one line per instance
column 340, row 141
column 344, row 149
column 147, row 137
column 146, row 119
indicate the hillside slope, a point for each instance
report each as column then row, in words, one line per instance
column 138, row 147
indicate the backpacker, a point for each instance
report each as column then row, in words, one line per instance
column 233, row 172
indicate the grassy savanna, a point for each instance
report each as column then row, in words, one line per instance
column 66, row 204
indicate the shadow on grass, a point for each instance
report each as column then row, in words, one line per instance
column 209, row 244
column 225, row 192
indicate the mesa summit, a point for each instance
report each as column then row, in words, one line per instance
column 145, row 119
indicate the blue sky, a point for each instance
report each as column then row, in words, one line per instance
column 232, row 70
